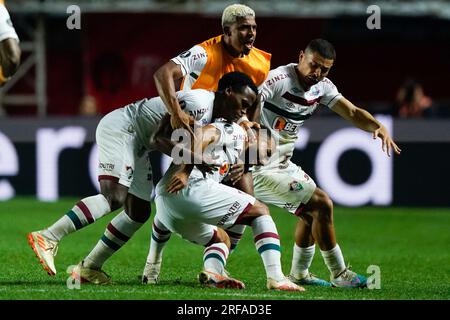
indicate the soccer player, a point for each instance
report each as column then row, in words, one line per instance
column 203, row 65
column 198, row 207
column 9, row 46
column 290, row 95
column 124, row 138
column 235, row 89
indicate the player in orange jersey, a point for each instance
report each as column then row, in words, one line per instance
column 203, row 65
column 9, row 46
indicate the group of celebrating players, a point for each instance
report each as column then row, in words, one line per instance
column 229, row 104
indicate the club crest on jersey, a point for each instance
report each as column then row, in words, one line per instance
column 228, row 128
column 295, row 186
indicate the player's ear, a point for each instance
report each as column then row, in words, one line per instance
column 227, row 31
column 301, row 55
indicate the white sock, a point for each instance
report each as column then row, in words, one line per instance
column 235, row 233
column 267, row 243
column 117, row 233
column 85, row 212
column 301, row 260
column 215, row 257
column 334, row 260
column 160, row 236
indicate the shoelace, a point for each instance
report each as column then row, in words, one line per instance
column 53, row 249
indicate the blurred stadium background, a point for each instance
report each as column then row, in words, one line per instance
column 68, row 79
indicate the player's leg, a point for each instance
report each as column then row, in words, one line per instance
column 238, row 208
column 320, row 207
column 160, row 236
column 9, row 47
column 215, row 256
column 136, row 212
column 289, row 188
column 115, row 155
column 236, row 232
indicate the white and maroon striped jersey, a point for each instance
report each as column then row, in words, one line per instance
column 286, row 105
column 146, row 114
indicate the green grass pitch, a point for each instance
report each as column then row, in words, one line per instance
column 410, row 245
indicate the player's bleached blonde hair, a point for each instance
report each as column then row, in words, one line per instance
column 235, row 11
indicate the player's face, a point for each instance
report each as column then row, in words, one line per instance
column 237, row 103
column 313, row 67
column 242, row 34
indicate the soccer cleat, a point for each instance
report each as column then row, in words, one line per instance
column 215, row 280
column 309, row 280
column 283, row 285
column 88, row 275
column 45, row 249
column 151, row 273
column 349, row 279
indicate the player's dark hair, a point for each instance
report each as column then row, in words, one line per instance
column 237, row 81
column 322, row 47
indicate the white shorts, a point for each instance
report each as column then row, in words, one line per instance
column 6, row 27
column 121, row 158
column 286, row 188
column 198, row 209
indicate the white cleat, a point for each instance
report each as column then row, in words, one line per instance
column 45, row 249
column 151, row 273
column 283, row 285
column 88, row 275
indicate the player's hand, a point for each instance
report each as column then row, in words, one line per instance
column 247, row 126
column 236, row 172
column 177, row 182
column 387, row 144
column 181, row 121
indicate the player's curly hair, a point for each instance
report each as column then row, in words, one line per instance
column 237, row 81
column 233, row 12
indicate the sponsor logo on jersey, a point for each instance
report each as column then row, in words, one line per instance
column 228, row 128
column 281, row 124
column 185, row 54
column 106, row 166
column 231, row 212
column 277, row 78
column 199, row 55
column 223, row 170
column 289, row 206
column 295, row 186
column 197, row 114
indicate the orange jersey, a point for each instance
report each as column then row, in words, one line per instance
column 2, row 2
column 256, row 65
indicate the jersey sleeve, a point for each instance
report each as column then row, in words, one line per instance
column 193, row 60
column 197, row 103
column 330, row 95
column 269, row 88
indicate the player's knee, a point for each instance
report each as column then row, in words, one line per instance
column 260, row 209
column 11, row 58
column 137, row 209
column 115, row 199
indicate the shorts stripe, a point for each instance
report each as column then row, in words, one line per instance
column 267, row 235
column 105, row 177
column 85, row 211
column 241, row 216
column 268, row 246
column 299, row 210
column 119, row 235
column 214, row 256
column 114, row 246
column 76, row 221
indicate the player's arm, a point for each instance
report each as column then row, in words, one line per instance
column 165, row 78
column 364, row 120
column 9, row 56
column 203, row 138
